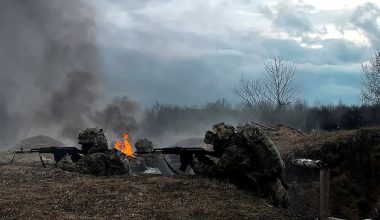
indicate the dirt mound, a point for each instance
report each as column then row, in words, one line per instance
column 328, row 145
column 353, row 157
column 284, row 137
column 37, row 142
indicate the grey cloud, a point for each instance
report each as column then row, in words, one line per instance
column 365, row 18
column 51, row 64
column 171, row 65
column 175, row 64
column 333, row 52
column 151, row 78
column 292, row 21
column 286, row 18
column 318, row 81
column 267, row 12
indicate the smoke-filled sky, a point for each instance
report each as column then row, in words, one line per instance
column 193, row 51
column 51, row 72
column 70, row 64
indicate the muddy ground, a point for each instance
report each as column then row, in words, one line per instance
column 29, row 191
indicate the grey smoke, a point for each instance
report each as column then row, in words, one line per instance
column 119, row 116
column 70, row 105
column 49, row 69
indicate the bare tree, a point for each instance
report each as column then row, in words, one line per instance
column 370, row 80
column 249, row 91
column 277, row 86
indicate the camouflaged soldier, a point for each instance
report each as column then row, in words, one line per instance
column 97, row 159
column 143, row 145
column 248, row 157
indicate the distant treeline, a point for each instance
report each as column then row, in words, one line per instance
column 164, row 118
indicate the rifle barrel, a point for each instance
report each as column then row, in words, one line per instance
column 179, row 150
column 48, row 150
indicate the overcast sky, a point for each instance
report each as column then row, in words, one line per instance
column 194, row 51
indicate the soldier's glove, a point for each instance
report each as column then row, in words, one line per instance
column 185, row 159
column 205, row 159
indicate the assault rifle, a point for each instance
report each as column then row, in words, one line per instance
column 187, row 154
column 58, row 152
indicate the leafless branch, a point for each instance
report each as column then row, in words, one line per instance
column 277, row 86
column 370, row 80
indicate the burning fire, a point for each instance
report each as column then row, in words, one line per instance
column 124, row 146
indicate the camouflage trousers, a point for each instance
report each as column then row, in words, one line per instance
column 97, row 164
column 278, row 193
column 270, row 187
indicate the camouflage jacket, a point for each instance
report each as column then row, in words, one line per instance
column 108, row 162
column 249, row 152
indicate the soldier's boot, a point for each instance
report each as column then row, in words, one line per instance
column 279, row 195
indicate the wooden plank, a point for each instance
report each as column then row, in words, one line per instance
column 324, row 193
column 264, row 126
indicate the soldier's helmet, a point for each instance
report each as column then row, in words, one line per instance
column 219, row 132
column 251, row 132
column 144, row 145
column 92, row 140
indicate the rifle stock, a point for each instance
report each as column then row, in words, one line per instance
column 187, row 154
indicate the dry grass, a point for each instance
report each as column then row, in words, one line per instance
column 28, row 191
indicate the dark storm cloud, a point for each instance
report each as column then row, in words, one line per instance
column 367, row 17
column 195, row 51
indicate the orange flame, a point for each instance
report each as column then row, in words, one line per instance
column 124, row 146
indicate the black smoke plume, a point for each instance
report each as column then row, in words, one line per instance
column 49, row 70
column 118, row 116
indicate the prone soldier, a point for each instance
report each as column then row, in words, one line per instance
column 247, row 157
column 97, row 159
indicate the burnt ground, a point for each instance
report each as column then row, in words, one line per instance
column 29, row 191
